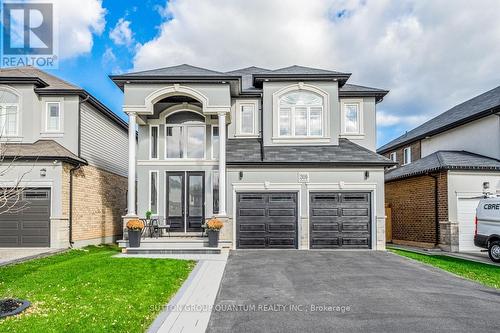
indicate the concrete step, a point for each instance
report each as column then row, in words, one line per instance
column 175, row 242
column 144, row 250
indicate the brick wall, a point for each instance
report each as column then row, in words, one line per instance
column 415, row 152
column 412, row 203
column 99, row 202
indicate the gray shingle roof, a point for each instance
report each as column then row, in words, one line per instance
column 40, row 150
column 444, row 160
column 302, row 70
column 246, row 76
column 179, row 70
column 33, row 72
column 472, row 109
column 356, row 88
column 247, row 151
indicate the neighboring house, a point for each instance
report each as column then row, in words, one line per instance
column 445, row 166
column 71, row 152
column 286, row 158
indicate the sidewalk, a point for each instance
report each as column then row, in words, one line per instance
column 190, row 309
column 481, row 257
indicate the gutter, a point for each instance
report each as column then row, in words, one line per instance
column 71, row 172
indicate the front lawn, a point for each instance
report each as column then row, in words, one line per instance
column 488, row 275
column 89, row 291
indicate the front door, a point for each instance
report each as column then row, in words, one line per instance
column 185, row 200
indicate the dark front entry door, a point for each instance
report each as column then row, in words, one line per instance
column 185, row 200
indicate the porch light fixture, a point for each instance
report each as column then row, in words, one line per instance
column 367, row 174
column 240, row 176
column 43, row 172
column 486, row 186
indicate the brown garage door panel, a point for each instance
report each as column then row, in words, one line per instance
column 28, row 224
column 339, row 220
column 275, row 225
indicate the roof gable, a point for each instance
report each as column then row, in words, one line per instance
column 472, row 109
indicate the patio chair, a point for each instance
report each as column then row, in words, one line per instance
column 148, row 227
column 160, row 224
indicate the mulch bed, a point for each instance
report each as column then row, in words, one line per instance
column 12, row 306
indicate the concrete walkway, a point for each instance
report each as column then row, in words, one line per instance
column 190, row 309
column 477, row 256
column 10, row 256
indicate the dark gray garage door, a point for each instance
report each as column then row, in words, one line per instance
column 30, row 226
column 266, row 220
column 339, row 220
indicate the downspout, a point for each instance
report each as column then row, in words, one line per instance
column 436, row 208
column 71, row 172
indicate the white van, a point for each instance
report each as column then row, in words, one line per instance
column 487, row 233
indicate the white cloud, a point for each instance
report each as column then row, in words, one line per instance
column 121, row 34
column 430, row 54
column 78, row 20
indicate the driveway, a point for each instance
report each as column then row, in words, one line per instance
column 277, row 291
column 14, row 255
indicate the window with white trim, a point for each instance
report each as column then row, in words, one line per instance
column 351, row 118
column 393, row 157
column 153, row 141
column 153, row 192
column 53, row 117
column 215, row 192
column 300, row 114
column 407, row 155
column 215, row 142
column 247, row 124
column 185, row 136
column 9, row 113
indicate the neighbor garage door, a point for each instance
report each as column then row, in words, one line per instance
column 466, row 213
column 339, row 220
column 27, row 224
column 266, row 220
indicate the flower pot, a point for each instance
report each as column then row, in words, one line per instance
column 213, row 238
column 134, row 238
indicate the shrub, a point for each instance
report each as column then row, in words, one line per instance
column 214, row 224
column 135, row 225
column 148, row 214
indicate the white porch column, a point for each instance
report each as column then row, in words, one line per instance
column 222, row 163
column 131, row 164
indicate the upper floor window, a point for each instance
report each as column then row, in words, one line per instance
column 393, row 157
column 185, row 135
column 246, row 118
column 9, row 113
column 352, row 116
column 215, row 142
column 407, row 155
column 300, row 114
column 53, row 117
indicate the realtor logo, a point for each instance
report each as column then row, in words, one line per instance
column 28, row 34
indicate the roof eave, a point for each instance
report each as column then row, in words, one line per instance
column 38, row 82
column 311, row 164
column 121, row 80
column 67, row 159
column 441, row 168
column 445, row 128
column 258, row 79
column 379, row 95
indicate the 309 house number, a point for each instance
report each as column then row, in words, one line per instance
column 303, row 177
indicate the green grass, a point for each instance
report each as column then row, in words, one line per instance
column 488, row 275
column 89, row 291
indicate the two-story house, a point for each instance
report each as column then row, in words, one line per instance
column 63, row 163
column 286, row 158
column 444, row 166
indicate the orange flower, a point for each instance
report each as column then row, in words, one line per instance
column 135, row 225
column 214, row 224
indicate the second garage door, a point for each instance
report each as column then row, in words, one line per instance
column 339, row 220
column 266, row 220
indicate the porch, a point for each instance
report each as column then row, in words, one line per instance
column 176, row 243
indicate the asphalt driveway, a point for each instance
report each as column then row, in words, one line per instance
column 312, row 291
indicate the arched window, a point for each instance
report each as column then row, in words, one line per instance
column 301, row 114
column 9, row 113
column 185, row 135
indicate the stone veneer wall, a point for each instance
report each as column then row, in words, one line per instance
column 99, row 202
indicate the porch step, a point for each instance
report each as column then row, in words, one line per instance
column 175, row 243
column 144, row 250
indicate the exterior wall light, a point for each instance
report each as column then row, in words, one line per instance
column 43, row 172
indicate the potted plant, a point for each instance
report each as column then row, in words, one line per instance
column 148, row 214
column 213, row 228
column 134, row 228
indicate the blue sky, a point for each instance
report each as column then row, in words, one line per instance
column 431, row 55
